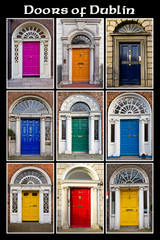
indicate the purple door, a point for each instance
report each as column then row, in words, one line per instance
column 31, row 58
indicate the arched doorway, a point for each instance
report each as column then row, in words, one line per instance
column 129, row 198
column 31, row 51
column 129, row 126
column 80, row 197
column 30, row 117
column 30, row 195
column 80, row 125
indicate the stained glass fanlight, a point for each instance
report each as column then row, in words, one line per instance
column 30, row 177
column 81, row 39
column 128, row 176
column 80, row 106
column 31, row 32
column 129, row 105
column 30, row 106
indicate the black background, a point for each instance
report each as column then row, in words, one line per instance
column 143, row 9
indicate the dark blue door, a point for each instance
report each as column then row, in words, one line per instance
column 129, row 137
column 30, row 137
column 130, row 64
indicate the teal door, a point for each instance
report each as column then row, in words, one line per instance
column 80, row 134
column 129, row 137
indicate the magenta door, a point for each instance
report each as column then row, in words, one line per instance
column 31, row 58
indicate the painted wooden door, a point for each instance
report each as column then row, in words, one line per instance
column 31, row 58
column 80, row 134
column 80, row 207
column 129, row 137
column 30, row 137
column 130, row 64
column 30, row 206
column 80, row 64
column 129, row 207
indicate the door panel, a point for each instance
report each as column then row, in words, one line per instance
column 129, row 208
column 31, row 58
column 130, row 65
column 30, row 136
column 80, row 64
column 30, row 206
column 129, row 137
column 80, row 207
column 80, row 134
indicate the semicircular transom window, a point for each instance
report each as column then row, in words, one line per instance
column 130, row 105
column 30, row 177
column 81, row 39
column 80, row 107
column 129, row 28
column 79, row 174
column 129, row 176
column 30, row 106
column 31, row 32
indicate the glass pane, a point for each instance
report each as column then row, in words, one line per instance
column 128, row 176
column 113, row 202
column 79, row 175
column 96, row 130
column 63, row 129
column 81, row 39
column 145, row 201
column 146, row 132
column 78, row 107
column 30, row 106
column 47, row 131
column 112, row 132
column 30, row 177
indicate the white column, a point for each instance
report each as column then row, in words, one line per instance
column 70, row 65
column 95, row 209
column 42, row 59
column 19, row 206
column 20, row 59
column 91, row 137
column 117, row 208
column 117, row 138
column 65, row 208
column 41, row 220
column 18, row 136
column 100, row 134
column 141, row 208
column 141, row 136
column 42, row 136
column 68, row 135
column 91, row 65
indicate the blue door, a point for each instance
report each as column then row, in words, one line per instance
column 30, row 137
column 129, row 137
column 130, row 64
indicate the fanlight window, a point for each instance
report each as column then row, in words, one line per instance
column 130, row 105
column 30, row 106
column 30, row 177
column 77, row 107
column 78, row 175
column 128, row 176
column 31, row 32
column 81, row 39
column 129, row 28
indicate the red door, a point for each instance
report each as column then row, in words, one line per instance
column 31, row 58
column 80, row 207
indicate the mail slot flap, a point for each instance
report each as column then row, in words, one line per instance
column 80, row 205
column 80, row 63
column 80, row 136
column 34, row 205
column 129, row 209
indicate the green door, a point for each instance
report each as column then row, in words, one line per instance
column 80, row 134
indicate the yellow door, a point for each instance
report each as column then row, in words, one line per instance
column 80, row 64
column 129, row 208
column 30, row 206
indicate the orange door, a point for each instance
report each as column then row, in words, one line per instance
column 80, row 64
